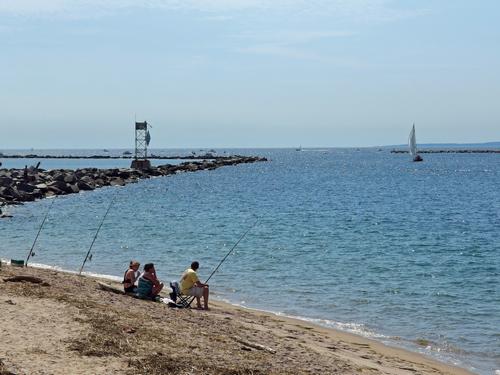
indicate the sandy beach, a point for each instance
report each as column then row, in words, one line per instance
column 68, row 325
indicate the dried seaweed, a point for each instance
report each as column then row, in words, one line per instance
column 106, row 337
column 4, row 370
column 160, row 364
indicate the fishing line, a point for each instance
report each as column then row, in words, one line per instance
column 230, row 251
column 39, row 230
column 89, row 256
column 225, row 257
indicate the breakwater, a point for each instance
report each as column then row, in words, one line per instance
column 127, row 156
column 28, row 184
column 450, row 151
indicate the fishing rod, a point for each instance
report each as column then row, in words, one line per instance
column 87, row 257
column 39, row 230
column 223, row 259
column 230, row 251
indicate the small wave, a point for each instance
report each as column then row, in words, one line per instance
column 351, row 327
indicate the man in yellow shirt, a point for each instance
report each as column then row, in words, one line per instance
column 191, row 285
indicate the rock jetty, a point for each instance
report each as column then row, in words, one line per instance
column 194, row 156
column 29, row 184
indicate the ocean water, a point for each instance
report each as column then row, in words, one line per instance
column 364, row 241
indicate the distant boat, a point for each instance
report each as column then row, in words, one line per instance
column 412, row 143
column 105, row 150
column 127, row 153
column 299, row 148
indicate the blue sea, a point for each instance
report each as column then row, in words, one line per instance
column 360, row 240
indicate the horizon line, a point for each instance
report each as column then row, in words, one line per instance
column 252, row 147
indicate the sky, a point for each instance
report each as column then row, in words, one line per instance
column 248, row 73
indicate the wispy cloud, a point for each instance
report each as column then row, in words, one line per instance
column 280, row 51
column 381, row 10
column 290, row 37
column 53, row 7
column 296, row 53
column 288, row 44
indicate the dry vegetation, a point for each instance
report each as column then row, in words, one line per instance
column 100, row 332
column 151, row 338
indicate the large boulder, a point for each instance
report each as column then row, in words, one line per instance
column 53, row 190
column 37, row 193
column 115, row 172
column 51, row 193
column 59, row 185
column 100, row 182
column 116, row 181
column 70, row 178
column 58, row 177
column 28, row 197
column 74, row 188
column 124, row 174
column 10, row 193
column 84, row 186
column 24, row 187
column 87, row 179
column 42, row 187
column 6, row 181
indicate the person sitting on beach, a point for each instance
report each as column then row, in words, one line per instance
column 192, row 286
column 149, row 286
column 130, row 277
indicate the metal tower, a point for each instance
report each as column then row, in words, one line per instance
column 142, row 139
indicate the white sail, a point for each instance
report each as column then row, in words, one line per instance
column 412, row 142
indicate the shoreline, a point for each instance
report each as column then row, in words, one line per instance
column 348, row 351
column 450, row 151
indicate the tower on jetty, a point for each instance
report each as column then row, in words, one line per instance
column 142, row 139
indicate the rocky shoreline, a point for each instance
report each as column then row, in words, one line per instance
column 28, row 184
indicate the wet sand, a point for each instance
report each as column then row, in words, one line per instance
column 71, row 326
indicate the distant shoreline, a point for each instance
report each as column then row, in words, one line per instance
column 151, row 157
column 450, row 151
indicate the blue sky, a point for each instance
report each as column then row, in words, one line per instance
column 248, row 73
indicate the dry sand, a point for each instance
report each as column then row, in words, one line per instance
column 73, row 327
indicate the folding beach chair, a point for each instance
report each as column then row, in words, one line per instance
column 178, row 297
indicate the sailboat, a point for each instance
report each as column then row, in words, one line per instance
column 299, row 148
column 412, row 143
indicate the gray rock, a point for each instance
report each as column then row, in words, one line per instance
column 84, row 186
column 52, row 190
column 117, row 181
column 70, row 178
column 24, row 187
column 74, row 188
column 59, row 177
column 60, row 185
column 87, row 179
column 6, row 180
